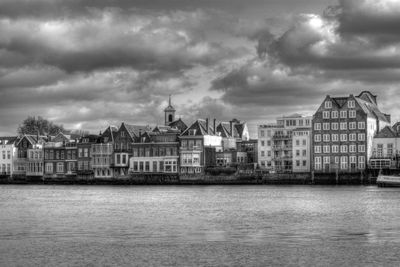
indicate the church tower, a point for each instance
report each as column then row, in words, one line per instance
column 169, row 113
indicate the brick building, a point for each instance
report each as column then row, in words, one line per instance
column 343, row 130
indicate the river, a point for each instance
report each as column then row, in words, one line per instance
column 45, row 225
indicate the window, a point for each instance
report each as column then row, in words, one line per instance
column 327, row 149
column 352, row 113
column 351, row 104
column 325, row 115
column 304, row 142
column 326, row 137
column 317, row 149
column 297, row 153
column 262, row 143
column 304, row 152
column 335, row 137
column 352, row 148
column 343, row 162
column 352, row 125
column 343, row 114
column 318, row 163
column 328, row 104
column 361, row 137
column 60, row 167
column 343, row 137
column 380, row 150
column 262, row 133
column 269, row 153
column 325, row 126
column 49, row 167
column 343, row 126
column 352, row 137
column 317, row 126
column 335, row 149
column 8, row 155
column 80, row 152
column 262, row 153
column 335, row 114
column 297, row 142
column 297, row 163
column 361, row 162
column 304, row 163
column 389, row 150
column 269, row 143
column 361, row 125
column 361, row 148
column 317, row 138
column 122, row 134
column 335, row 126
column 343, row 148
column 86, row 152
column 327, row 160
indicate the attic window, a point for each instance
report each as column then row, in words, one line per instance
column 351, row 104
column 328, row 104
column 192, row 132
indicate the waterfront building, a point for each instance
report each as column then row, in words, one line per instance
column 20, row 162
column 84, row 157
column 8, row 152
column 35, row 162
column 275, row 144
column 126, row 135
column 198, row 144
column 102, row 159
column 386, row 149
column 343, row 131
column 60, row 157
column 156, row 152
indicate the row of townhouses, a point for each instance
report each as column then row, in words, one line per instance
column 172, row 148
column 346, row 134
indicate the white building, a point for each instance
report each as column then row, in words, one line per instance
column 386, row 148
column 8, row 152
column 275, row 144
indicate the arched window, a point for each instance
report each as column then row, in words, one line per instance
column 170, row 117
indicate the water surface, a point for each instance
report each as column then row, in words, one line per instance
column 199, row 225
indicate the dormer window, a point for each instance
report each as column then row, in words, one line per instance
column 328, row 104
column 192, row 132
column 351, row 104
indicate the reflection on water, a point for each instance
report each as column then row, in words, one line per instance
column 199, row 225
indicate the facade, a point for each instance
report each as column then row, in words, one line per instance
column 35, row 164
column 20, row 162
column 156, row 152
column 8, row 152
column 301, row 149
column 102, row 157
column 84, row 156
column 343, row 131
column 386, row 149
column 194, row 142
column 275, row 144
column 60, row 158
column 123, row 140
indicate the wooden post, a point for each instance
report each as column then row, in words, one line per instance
column 337, row 176
column 312, row 177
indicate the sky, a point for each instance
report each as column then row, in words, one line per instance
column 89, row 64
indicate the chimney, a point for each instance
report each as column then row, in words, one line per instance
column 214, row 126
column 207, row 125
column 231, row 124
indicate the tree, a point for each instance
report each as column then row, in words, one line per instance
column 39, row 125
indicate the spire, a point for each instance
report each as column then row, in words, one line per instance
column 169, row 101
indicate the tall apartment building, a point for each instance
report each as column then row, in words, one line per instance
column 275, row 144
column 343, row 132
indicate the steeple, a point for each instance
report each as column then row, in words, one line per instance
column 169, row 112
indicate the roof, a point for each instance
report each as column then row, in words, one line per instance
column 136, row 130
column 8, row 139
column 387, row 132
column 200, row 126
column 179, row 124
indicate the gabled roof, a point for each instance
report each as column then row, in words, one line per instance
column 109, row 132
column 179, row 124
column 386, row 132
column 33, row 139
column 200, row 126
column 225, row 129
column 135, row 130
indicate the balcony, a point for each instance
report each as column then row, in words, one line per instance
column 282, row 137
column 282, row 147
